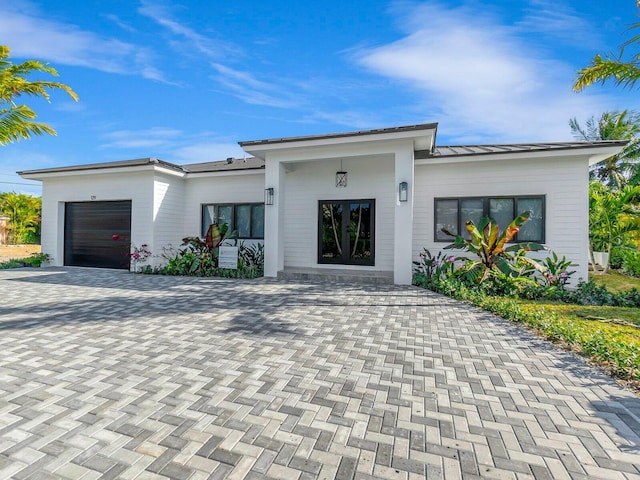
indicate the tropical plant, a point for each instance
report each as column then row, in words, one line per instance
column 16, row 120
column 200, row 257
column 556, row 270
column 494, row 255
column 139, row 255
column 431, row 269
column 613, row 67
column 617, row 169
column 24, row 212
column 614, row 216
column 251, row 257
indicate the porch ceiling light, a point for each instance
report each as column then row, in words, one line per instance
column 403, row 191
column 341, row 177
column 268, row 196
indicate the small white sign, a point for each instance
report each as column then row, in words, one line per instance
column 228, row 257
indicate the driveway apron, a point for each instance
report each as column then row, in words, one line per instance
column 106, row 374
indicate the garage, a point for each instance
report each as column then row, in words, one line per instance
column 97, row 234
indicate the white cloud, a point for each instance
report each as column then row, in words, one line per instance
column 31, row 35
column 172, row 145
column 206, row 151
column 249, row 89
column 348, row 118
column 116, row 20
column 18, row 157
column 138, row 139
column 200, row 43
column 485, row 82
column 559, row 22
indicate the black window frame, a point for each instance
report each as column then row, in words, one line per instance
column 234, row 217
column 486, row 213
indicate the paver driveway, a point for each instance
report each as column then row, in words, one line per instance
column 104, row 374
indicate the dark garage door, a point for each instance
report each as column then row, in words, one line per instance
column 97, row 234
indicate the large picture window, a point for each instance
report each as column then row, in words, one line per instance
column 246, row 218
column 453, row 213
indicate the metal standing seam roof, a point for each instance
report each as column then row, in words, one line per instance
column 231, row 164
column 253, row 163
column 493, row 149
column 217, row 166
column 378, row 131
column 106, row 165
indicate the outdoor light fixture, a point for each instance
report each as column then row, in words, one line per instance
column 403, row 191
column 268, row 196
column 341, row 177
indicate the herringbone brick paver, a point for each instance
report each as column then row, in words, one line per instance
column 104, row 374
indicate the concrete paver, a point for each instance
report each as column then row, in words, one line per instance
column 105, row 374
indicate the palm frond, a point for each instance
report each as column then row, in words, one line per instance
column 603, row 69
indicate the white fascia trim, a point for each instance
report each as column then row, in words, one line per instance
column 261, row 149
column 224, row 173
column 103, row 171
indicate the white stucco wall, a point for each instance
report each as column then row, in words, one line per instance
column 564, row 182
column 369, row 177
column 83, row 187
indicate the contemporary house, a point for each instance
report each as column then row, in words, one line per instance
column 366, row 202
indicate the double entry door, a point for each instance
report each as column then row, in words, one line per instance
column 346, row 232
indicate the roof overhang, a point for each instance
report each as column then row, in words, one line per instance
column 126, row 166
column 593, row 152
column 423, row 137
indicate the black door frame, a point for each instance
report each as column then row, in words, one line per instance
column 345, row 239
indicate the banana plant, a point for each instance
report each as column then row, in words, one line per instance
column 492, row 249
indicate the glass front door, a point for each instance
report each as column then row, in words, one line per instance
column 346, row 232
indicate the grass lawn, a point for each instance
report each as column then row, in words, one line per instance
column 608, row 336
column 615, row 282
column 607, row 315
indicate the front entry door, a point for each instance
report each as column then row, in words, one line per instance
column 346, row 232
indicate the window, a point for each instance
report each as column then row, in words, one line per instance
column 246, row 218
column 453, row 213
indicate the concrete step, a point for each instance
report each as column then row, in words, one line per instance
column 336, row 275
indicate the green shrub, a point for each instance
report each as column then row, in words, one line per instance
column 589, row 293
column 617, row 258
column 631, row 262
column 35, row 260
column 196, row 259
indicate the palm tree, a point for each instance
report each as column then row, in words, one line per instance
column 614, row 217
column 24, row 212
column 611, row 67
column 16, row 120
column 616, row 170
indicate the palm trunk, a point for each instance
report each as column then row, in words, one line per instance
column 335, row 233
column 355, row 244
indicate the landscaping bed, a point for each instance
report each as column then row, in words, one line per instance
column 17, row 251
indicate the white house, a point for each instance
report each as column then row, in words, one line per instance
column 365, row 202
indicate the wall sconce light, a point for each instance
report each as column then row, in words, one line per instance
column 403, row 191
column 268, row 196
column 341, row 177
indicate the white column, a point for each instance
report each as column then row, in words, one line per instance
column 274, row 219
column 403, row 218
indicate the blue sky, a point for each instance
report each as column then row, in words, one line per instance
column 185, row 81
